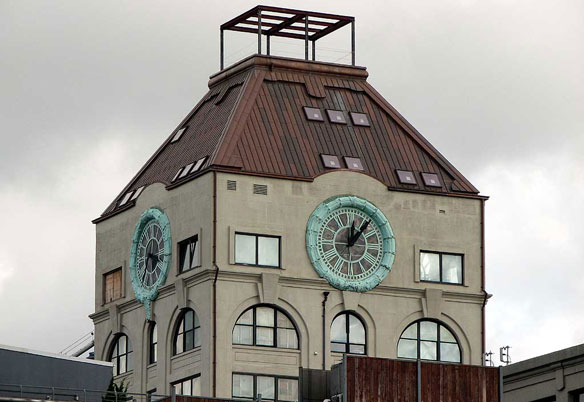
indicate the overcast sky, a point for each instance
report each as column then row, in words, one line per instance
column 89, row 90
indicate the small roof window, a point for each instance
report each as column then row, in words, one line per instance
column 313, row 113
column 330, row 161
column 186, row 170
column 406, row 177
column 353, row 163
column 137, row 193
column 336, row 116
column 431, row 180
column 198, row 165
column 179, row 134
column 360, row 119
column 177, row 173
column 126, row 198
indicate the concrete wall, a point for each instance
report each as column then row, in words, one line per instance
column 557, row 376
column 419, row 221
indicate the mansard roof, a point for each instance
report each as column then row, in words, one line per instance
column 252, row 121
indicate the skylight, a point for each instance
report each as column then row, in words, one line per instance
column 179, row 134
column 360, row 119
column 330, row 161
column 177, row 173
column 126, row 198
column 186, row 170
column 336, row 116
column 431, row 180
column 198, row 165
column 137, row 193
column 313, row 113
column 353, row 163
column 406, row 177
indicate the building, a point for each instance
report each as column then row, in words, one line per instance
column 29, row 374
column 553, row 377
column 293, row 216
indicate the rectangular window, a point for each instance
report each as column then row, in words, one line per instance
column 441, row 267
column 112, row 285
column 271, row 388
column 188, row 386
column 336, row 116
column 260, row 250
column 189, row 254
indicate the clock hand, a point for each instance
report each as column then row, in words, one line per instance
column 359, row 233
column 352, row 232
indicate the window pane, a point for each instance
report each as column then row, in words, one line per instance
column 122, row 366
column 246, row 318
column 428, row 331
column 197, row 324
column 189, row 340
column 186, row 387
column 339, row 329
column 269, row 251
column 245, row 251
column 197, row 337
column 266, row 387
column 178, row 345
column 154, row 334
column 287, row 389
column 407, row 348
column 243, row 335
column 446, row 335
column 265, row 336
column 265, row 316
column 178, row 389
column 287, row 338
column 283, row 321
column 449, row 352
column 189, row 320
column 357, row 349
column 338, row 347
column 452, row 268
column 411, row 332
column 122, row 345
column 185, row 257
column 129, row 365
column 429, row 267
column 428, row 350
column 356, row 330
column 196, row 386
column 242, row 386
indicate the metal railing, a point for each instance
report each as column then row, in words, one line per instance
column 20, row 392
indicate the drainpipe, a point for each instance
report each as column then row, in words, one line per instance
column 486, row 295
column 325, row 294
column 215, row 283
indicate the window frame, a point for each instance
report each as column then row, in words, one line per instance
column 114, row 347
column 348, row 344
column 255, row 385
column 275, row 328
column 257, row 236
column 104, row 281
column 440, row 254
column 183, row 380
column 438, row 342
column 179, row 321
column 152, row 346
column 197, row 252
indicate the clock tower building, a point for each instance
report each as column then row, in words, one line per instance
column 292, row 217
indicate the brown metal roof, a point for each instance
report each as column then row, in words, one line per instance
column 252, row 121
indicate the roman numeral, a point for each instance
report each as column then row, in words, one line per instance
column 329, row 254
column 369, row 258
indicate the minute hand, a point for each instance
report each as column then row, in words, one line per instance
column 356, row 236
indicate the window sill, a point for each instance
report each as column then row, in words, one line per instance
column 443, row 283
column 125, row 375
column 256, row 265
column 266, row 348
column 179, row 356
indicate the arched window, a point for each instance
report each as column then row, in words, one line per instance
column 187, row 335
column 265, row 326
column 121, row 354
column 428, row 340
column 348, row 334
column 153, row 344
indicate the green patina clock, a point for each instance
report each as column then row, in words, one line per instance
column 350, row 243
column 150, row 256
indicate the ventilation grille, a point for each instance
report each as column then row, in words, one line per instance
column 231, row 185
column 260, row 189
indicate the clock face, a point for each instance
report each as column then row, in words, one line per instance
column 350, row 243
column 150, row 256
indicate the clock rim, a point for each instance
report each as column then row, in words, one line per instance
column 318, row 218
column 152, row 214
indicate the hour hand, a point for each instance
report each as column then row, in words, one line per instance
column 351, row 234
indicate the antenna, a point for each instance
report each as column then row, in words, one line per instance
column 504, row 355
column 488, row 358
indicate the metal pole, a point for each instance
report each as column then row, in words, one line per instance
column 268, row 44
column 313, row 50
column 259, row 31
column 353, row 42
column 222, row 50
column 419, row 380
column 306, row 37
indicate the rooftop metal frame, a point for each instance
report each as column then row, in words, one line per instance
column 288, row 23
